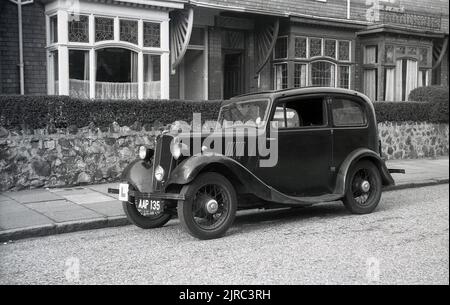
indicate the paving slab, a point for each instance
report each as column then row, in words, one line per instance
column 103, row 188
column 108, row 208
column 32, row 196
column 88, row 197
column 14, row 215
column 63, row 210
column 4, row 198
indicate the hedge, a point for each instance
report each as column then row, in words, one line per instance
column 38, row 111
column 403, row 112
column 20, row 112
column 438, row 96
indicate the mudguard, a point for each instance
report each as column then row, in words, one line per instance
column 356, row 155
column 140, row 175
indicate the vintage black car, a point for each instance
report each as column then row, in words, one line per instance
column 328, row 150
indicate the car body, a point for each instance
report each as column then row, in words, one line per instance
column 328, row 150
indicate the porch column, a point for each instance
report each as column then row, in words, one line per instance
column 63, row 54
column 165, row 60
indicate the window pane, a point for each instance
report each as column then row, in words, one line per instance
column 300, row 47
column 129, row 31
column 344, row 77
column 344, row 50
column 389, row 85
column 370, row 83
column 389, row 55
column 370, row 54
column 152, row 34
column 54, row 29
column 116, row 74
column 280, row 76
column 330, row 48
column 152, row 76
column 322, row 74
column 79, row 28
column 348, row 113
column 423, row 56
column 315, row 47
column 55, row 75
column 79, row 73
column 104, row 29
column 281, row 48
column 299, row 75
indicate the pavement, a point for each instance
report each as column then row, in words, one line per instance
column 404, row 241
column 41, row 212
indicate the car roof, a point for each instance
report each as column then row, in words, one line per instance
column 273, row 94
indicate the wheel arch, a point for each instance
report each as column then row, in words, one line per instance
column 357, row 156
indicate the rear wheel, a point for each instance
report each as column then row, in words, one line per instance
column 144, row 221
column 210, row 207
column 363, row 190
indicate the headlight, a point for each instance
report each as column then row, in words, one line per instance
column 159, row 173
column 176, row 150
column 142, row 152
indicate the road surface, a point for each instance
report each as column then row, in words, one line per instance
column 405, row 241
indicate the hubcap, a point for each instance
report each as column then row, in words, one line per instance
column 212, row 206
column 365, row 186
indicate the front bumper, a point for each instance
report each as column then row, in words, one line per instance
column 155, row 196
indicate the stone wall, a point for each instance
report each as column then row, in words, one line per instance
column 90, row 155
column 413, row 140
column 68, row 157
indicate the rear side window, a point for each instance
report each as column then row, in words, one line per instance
column 348, row 113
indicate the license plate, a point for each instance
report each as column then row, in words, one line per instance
column 123, row 192
column 149, row 206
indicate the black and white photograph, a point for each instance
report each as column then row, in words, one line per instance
column 224, row 148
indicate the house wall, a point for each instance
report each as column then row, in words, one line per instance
column 34, row 53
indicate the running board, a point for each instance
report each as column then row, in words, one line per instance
column 279, row 197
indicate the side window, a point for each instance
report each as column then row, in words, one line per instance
column 309, row 112
column 286, row 117
column 348, row 113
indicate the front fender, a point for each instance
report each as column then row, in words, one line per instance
column 139, row 174
column 353, row 157
column 242, row 179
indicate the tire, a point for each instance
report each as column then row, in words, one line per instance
column 144, row 222
column 199, row 218
column 356, row 199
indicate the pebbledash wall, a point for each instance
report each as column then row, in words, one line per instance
column 90, row 155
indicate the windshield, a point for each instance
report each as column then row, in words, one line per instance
column 250, row 113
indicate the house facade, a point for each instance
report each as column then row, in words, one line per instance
column 215, row 49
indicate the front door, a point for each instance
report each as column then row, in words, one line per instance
column 304, row 149
column 233, row 74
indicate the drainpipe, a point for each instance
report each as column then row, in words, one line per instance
column 19, row 18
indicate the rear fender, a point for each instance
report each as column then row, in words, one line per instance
column 355, row 156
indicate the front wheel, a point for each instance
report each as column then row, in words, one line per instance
column 210, row 207
column 144, row 221
column 363, row 191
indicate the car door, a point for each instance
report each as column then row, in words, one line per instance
column 304, row 147
column 350, row 127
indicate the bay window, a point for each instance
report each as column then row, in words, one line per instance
column 406, row 68
column 98, row 54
